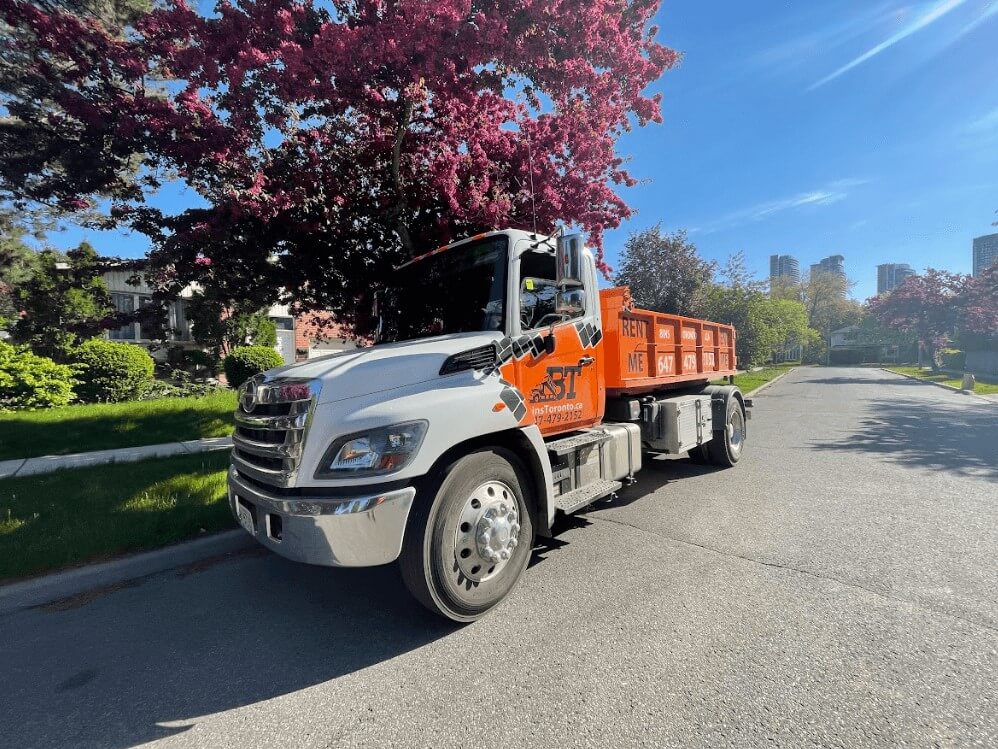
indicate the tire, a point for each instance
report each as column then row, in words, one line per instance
column 700, row 455
column 726, row 448
column 444, row 562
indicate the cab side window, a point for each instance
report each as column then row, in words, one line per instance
column 542, row 304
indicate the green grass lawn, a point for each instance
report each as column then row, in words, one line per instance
column 101, row 426
column 981, row 388
column 750, row 381
column 85, row 515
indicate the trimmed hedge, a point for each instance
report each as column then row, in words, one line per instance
column 28, row 381
column 245, row 361
column 112, row 372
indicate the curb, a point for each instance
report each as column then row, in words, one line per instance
column 769, row 384
column 108, row 576
column 43, row 464
column 938, row 384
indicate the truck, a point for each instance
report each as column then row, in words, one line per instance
column 503, row 390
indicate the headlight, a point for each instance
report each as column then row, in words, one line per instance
column 373, row 452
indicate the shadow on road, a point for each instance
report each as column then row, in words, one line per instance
column 146, row 662
column 927, row 434
column 148, row 659
column 888, row 380
column 657, row 472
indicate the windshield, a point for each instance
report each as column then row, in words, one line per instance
column 458, row 291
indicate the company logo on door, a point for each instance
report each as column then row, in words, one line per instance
column 559, row 385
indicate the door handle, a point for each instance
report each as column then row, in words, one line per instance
column 585, row 361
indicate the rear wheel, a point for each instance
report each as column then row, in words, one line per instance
column 726, row 447
column 465, row 549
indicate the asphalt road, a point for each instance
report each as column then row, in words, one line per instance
column 837, row 588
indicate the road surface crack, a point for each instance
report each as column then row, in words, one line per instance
column 799, row 570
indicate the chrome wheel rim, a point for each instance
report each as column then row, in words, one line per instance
column 736, row 431
column 488, row 530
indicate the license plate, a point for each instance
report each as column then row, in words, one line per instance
column 244, row 517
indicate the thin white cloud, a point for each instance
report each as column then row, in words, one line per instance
column 826, row 195
column 990, row 12
column 933, row 14
column 831, row 34
column 986, row 123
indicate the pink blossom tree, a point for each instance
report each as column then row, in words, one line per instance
column 979, row 304
column 937, row 306
column 330, row 144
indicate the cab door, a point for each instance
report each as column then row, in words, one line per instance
column 563, row 389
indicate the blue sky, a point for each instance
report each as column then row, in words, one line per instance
column 854, row 127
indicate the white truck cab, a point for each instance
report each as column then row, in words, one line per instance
column 479, row 414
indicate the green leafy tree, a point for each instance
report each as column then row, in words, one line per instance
column 826, row 301
column 763, row 324
column 17, row 264
column 665, row 273
column 221, row 326
column 64, row 302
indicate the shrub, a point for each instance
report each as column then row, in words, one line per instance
column 112, row 372
column 952, row 358
column 246, row 361
column 30, row 381
column 161, row 389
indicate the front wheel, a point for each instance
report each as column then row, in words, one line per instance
column 465, row 550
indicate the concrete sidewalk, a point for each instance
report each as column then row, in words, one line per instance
column 49, row 463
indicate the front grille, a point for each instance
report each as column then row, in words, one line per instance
column 261, row 435
column 267, row 442
column 273, row 409
column 271, row 464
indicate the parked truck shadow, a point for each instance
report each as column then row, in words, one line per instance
column 959, row 437
column 147, row 661
column 656, row 473
column 160, row 653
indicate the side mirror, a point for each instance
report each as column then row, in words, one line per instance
column 568, row 264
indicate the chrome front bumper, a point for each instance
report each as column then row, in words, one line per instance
column 361, row 531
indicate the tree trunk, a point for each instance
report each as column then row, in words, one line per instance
column 398, row 210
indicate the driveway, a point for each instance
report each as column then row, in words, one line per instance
column 838, row 587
